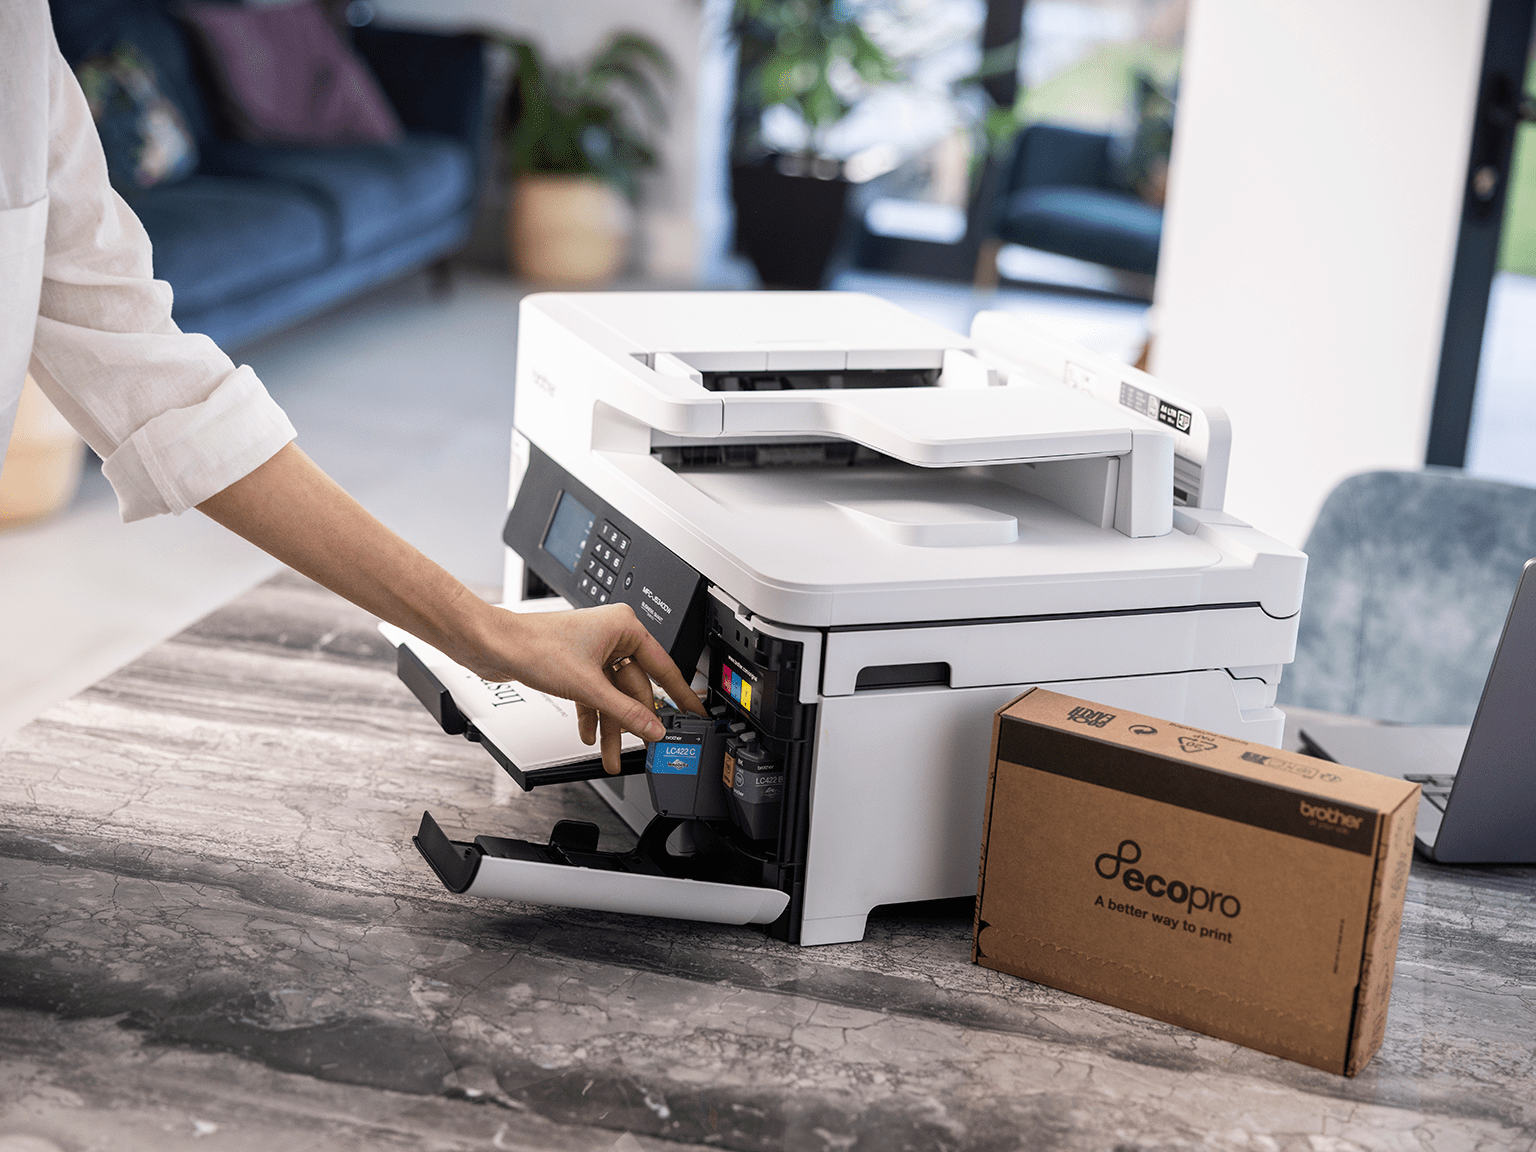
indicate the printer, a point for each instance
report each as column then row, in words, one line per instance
column 864, row 533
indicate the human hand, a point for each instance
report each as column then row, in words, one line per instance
column 297, row 513
column 603, row 659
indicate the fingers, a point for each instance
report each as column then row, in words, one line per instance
column 624, row 709
column 612, row 735
column 634, row 683
column 586, row 723
column 651, row 657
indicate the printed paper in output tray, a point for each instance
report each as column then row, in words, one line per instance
column 534, row 730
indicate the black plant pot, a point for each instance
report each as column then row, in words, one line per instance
column 788, row 223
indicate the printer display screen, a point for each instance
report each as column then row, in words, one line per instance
column 566, row 539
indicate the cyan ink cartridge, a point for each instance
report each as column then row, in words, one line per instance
column 756, row 786
column 683, row 768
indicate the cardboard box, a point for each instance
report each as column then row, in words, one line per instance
column 1251, row 894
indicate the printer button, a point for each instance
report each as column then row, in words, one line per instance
column 594, row 567
column 606, row 579
column 616, row 538
column 602, row 597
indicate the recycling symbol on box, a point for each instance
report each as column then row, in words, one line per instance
column 1196, row 744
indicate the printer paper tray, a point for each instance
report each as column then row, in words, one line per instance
column 529, row 733
column 468, row 869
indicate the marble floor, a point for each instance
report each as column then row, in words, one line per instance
column 215, row 934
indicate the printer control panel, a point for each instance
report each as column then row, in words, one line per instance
column 591, row 554
column 604, row 563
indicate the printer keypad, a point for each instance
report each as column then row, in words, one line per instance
column 614, row 538
column 593, row 590
column 604, row 563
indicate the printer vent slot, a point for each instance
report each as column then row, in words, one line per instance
column 769, row 454
column 1187, row 474
column 934, row 675
column 839, row 378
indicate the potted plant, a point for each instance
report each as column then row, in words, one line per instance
column 812, row 58
column 577, row 140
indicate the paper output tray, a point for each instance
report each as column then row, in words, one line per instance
column 602, row 881
column 436, row 697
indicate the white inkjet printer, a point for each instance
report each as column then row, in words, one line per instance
column 866, row 533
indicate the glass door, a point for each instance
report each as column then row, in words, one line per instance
column 1485, row 399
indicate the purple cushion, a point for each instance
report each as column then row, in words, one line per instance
column 288, row 78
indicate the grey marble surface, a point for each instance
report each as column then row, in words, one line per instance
column 216, row 934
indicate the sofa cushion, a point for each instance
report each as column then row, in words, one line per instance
column 374, row 194
column 217, row 239
column 287, row 77
column 87, row 28
column 143, row 134
column 1105, row 227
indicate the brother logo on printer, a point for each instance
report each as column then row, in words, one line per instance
column 1194, row 897
column 1324, row 814
column 1090, row 717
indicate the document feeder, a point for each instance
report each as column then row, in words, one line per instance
column 866, row 533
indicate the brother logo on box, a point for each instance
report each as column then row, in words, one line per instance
column 1234, row 889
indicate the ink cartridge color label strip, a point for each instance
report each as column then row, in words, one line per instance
column 737, row 686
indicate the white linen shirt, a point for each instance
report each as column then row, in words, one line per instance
column 172, row 418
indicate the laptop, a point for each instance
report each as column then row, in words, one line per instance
column 1478, row 784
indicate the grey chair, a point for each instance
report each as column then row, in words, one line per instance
column 1409, row 578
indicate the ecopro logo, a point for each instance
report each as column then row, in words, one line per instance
column 1090, row 716
column 1194, row 897
column 1325, row 814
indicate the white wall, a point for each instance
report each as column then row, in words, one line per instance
column 571, row 30
column 1314, row 199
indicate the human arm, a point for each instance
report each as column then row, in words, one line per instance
column 178, row 425
column 293, row 510
column 172, row 418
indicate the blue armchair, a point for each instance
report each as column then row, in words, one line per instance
column 1409, row 578
column 1059, row 195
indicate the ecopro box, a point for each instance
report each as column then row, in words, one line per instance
column 1247, row 893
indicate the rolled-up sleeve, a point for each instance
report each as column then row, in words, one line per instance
column 169, row 413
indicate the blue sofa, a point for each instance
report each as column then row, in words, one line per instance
column 258, row 236
column 1059, row 195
